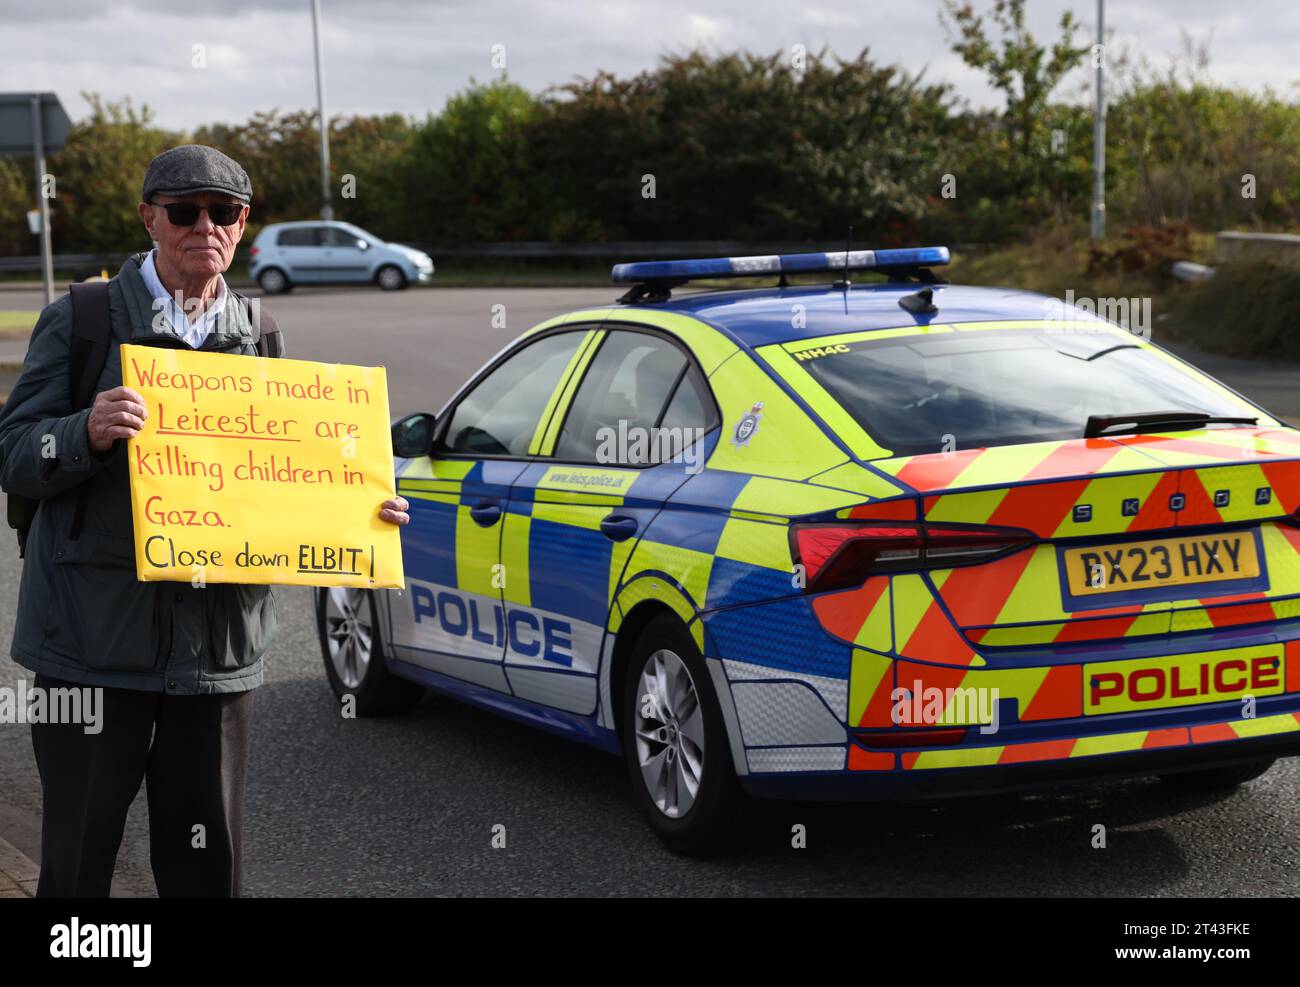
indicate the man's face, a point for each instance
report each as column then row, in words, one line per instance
column 200, row 250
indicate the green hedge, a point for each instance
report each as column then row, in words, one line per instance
column 739, row 147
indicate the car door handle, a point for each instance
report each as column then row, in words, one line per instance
column 485, row 513
column 618, row 527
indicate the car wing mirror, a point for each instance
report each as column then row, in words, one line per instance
column 413, row 435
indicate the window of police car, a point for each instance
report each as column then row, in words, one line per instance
column 992, row 388
column 637, row 382
column 500, row 413
column 691, row 406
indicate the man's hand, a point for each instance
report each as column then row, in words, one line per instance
column 394, row 511
column 116, row 414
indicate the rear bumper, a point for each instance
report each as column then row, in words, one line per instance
column 796, row 696
column 903, row 785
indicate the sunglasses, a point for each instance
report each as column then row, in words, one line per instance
column 187, row 213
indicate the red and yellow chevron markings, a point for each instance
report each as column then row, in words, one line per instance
column 1015, row 600
column 1216, row 445
column 871, row 684
column 977, row 594
column 1091, row 746
column 860, row 615
column 1284, row 478
column 1059, row 696
column 1041, row 692
column 933, row 471
column 1281, row 550
column 899, row 509
column 1015, row 464
column 1051, row 693
column 923, row 630
column 1239, row 483
column 861, row 759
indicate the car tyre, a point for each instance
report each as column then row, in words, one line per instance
column 390, row 278
column 274, row 281
column 675, row 742
column 347, row 621
column 1222, row 778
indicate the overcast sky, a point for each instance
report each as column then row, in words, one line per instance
column 408, row 57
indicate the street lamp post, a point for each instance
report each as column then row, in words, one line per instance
column 326, row 209
column 43, row 202
column 1099, row 130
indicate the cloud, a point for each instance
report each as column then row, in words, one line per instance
column 408, row 57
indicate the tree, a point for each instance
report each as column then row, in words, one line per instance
column 1023, row 71
column 467, row 173
column 1185, row 150
column 17, row 195
column 745, row 146
column 371, row 151
column 98, row 174
column 281, row 153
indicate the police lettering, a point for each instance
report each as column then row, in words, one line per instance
column 525, row 632
column 1152, row 685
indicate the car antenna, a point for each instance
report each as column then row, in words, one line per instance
column 848, row 243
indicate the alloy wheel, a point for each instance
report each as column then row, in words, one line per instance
column 669, row 724
column 348, row 633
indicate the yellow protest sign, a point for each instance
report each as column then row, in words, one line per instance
column 255, row 470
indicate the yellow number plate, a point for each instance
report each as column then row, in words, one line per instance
column 1144, row 565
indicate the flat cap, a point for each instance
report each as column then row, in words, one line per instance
column 195, row 168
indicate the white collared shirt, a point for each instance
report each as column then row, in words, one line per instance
column 193, row 333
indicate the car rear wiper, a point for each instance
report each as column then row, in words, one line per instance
column 1112, row 349
column 1156, row 421
column 1100, row 353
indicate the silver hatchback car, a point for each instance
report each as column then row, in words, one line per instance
column 331, row 252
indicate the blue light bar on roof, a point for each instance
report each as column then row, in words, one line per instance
column 748, row 267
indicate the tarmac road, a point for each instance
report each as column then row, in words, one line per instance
column 407, row 805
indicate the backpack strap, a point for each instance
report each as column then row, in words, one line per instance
column 269, row 341
column 91, row 332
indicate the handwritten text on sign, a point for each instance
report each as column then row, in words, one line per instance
column 254, row 470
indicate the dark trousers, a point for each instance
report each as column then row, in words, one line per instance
column 192, row 754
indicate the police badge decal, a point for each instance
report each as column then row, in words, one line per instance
column 747, row 426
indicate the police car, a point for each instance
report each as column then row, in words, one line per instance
column 886, row 540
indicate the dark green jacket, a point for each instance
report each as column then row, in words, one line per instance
column 82, row 614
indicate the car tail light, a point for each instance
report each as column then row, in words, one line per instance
column 252, row 251
column 837, row 556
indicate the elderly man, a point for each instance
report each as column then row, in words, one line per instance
column 177, row 663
